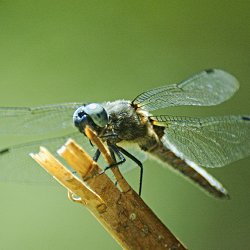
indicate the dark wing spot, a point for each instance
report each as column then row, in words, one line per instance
column 209, row 71
column 5, row 150
column 245, row 118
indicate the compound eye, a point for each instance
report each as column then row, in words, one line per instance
column 80, row 118
column 97, row 113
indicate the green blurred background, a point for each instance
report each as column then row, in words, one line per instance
column 60, row 51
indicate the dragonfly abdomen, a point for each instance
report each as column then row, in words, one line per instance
column 190, row 170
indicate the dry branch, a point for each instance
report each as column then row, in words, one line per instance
column 123, row 213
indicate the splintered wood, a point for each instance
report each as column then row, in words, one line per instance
column 123, row 213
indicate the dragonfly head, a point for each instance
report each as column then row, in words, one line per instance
column 93, row 115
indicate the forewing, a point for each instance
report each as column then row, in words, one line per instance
column 209, row 87
column 36, row 120
column 209, row 142
column 17, row 166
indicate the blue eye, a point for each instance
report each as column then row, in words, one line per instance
column 97, row 113
column 92, row 114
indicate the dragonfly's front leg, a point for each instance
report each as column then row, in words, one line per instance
column 121, row 158
column 96, row 155
column 133, row 158
column 119, row 151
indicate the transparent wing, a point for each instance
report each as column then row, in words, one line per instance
column 36, row 120
column 16, row 164
column 210, row 87
column 208, row 142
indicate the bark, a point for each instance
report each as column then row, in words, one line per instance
column 121, row 211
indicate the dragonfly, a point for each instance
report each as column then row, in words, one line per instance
column 184, row 144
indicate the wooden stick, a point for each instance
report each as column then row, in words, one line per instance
column 106, row 154
column 125, row 216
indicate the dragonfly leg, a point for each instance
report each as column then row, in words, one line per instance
column 133, row 158
column 113, row 156
column 119, row 151
column 96, row 155
column 115, row 151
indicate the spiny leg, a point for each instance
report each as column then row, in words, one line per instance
column 96, row 155
column 113, row 151
column 133, row 158
column 116, row 150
